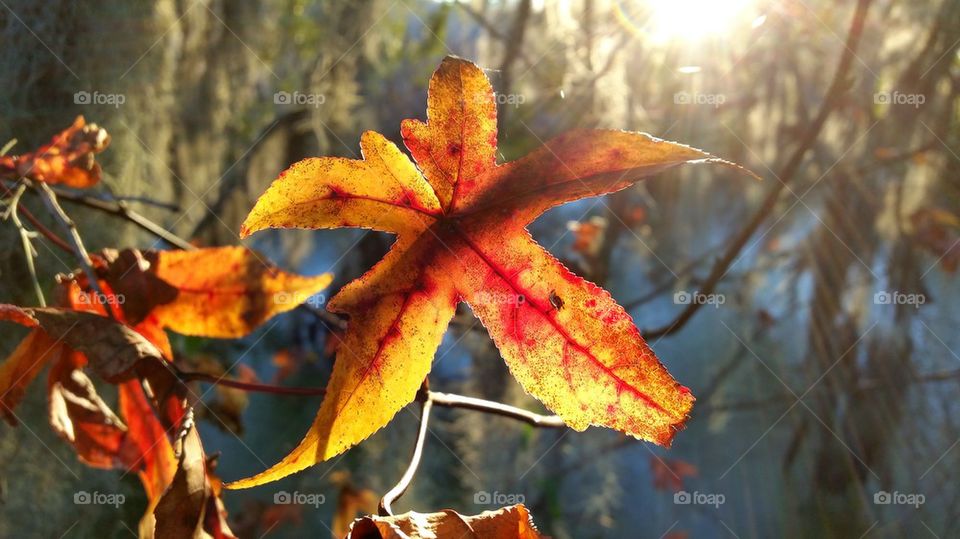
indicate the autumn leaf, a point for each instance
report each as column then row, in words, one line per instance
column 351, row 501
column 587, row 235
column 938, row 231
column 113, row 349
column 154, row 460
column 462, row 237
column 23, row 365
column 223, row 292
column 668, row 474
column 506, row 523
column 80, row 416
column 190, row 507
column 68, row 159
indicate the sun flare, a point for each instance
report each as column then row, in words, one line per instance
column 691, row 20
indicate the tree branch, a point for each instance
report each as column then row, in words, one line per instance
column 120, row 209
column 837, row 88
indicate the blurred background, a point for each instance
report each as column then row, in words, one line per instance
column 826, row 361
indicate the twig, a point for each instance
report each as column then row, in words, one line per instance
column 248, row 386
column 394, row 494
column 25, row 239
column 49, row 234
column 430, row 398
column 147, row 201
column 460, row 401
column 492, row 30
column 837, row 87
column 83, row 257
column 119, row 209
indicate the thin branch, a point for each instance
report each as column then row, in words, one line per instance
column 394, row 494
column 450, row 400
column 80, row 252
column 248, row 386
column 492, row 30
column 49, row 234
column 838, row 87
column 120, row 209
column 428, row 399
column 146, row 201
column 29, row 252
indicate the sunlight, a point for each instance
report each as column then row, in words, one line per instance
column 692, row 20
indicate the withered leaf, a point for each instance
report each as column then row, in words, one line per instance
column 512, row 522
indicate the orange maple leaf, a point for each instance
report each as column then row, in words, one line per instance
column 460, row 219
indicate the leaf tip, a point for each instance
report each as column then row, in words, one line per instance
column 730, row 164
column 245, row 229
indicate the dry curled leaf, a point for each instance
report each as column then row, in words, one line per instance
column 190, row 507
column 512, row 522
column 79, row 416
column 69, row 159
column 111, row 348
column 461, row 224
